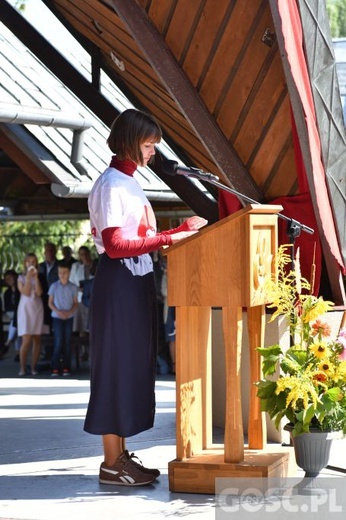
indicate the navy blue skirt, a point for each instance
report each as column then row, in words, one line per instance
column 123, row 347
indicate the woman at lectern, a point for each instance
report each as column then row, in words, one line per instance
column 123, row 301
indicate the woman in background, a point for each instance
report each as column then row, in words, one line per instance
column 82, row 272
column 30, row 314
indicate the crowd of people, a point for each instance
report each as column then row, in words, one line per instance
column 51, row 299
column 47, row 299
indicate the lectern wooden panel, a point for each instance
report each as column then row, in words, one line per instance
column 224, row 265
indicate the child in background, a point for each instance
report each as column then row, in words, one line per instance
column 11, row 301
column 63, row 302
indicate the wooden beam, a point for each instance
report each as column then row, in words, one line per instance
column 180, row 89
column 197, row 200
column 22, row 160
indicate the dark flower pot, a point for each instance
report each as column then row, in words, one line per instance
column 312, row 450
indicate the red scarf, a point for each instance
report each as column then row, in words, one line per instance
column 126, row 166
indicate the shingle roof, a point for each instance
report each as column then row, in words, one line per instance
column 28, row 86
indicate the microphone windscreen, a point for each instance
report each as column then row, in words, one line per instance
column 169, row 167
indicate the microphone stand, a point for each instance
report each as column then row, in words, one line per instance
column 294, row 228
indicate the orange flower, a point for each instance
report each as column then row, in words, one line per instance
column 321, row 329
column 320, row 377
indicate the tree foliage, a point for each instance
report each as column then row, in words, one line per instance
column 20, row 4
column 336, row 10
column 19, row 238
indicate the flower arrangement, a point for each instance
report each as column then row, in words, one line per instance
column 310, row 390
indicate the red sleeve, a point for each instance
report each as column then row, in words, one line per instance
column 118, row 247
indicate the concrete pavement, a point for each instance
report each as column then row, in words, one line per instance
column 49, row 465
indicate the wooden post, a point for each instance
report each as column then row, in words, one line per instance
column 257, row 433
column 234, row 435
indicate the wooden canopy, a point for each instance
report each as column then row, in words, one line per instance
column 217, row 78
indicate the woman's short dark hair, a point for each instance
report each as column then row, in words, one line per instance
column 129, row 130
column 10, row 272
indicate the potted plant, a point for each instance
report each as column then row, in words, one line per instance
column 306, row 384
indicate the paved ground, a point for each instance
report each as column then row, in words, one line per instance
column 49, row 465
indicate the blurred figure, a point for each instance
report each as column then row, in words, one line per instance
column 30, row 313
column 11, row 301
column 169, row 322
column 49, row 271
column 81, row 272
column 1, row 327
column 49, row 267
column 163, row 364
column 67, row 256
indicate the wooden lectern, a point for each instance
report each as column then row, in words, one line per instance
column 224, row 265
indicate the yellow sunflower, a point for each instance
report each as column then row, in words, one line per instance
column 320, row 350
column 326, row 367
column 341, row 371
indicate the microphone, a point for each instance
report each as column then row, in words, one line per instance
column 173, row 168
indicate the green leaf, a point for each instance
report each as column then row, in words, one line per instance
column 332, row 394
column 299, row 356
column 269, row 366
column 270, row 357
column 280, row 415
column 273, row 350
column 307, row 415
column 266, row 389
column 288, row 366
column 300, row 428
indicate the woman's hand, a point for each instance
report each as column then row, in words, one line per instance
column 176, row 237
column 196, row 223
column 31, row 272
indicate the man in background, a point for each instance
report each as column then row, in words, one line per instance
column 48, row 273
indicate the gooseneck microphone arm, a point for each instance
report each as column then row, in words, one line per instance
column 294, row 228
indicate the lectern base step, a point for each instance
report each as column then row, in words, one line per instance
column 197, row 474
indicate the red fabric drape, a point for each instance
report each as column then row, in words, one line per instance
column 303, row 186
column 300, row 207
column 293, row 37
